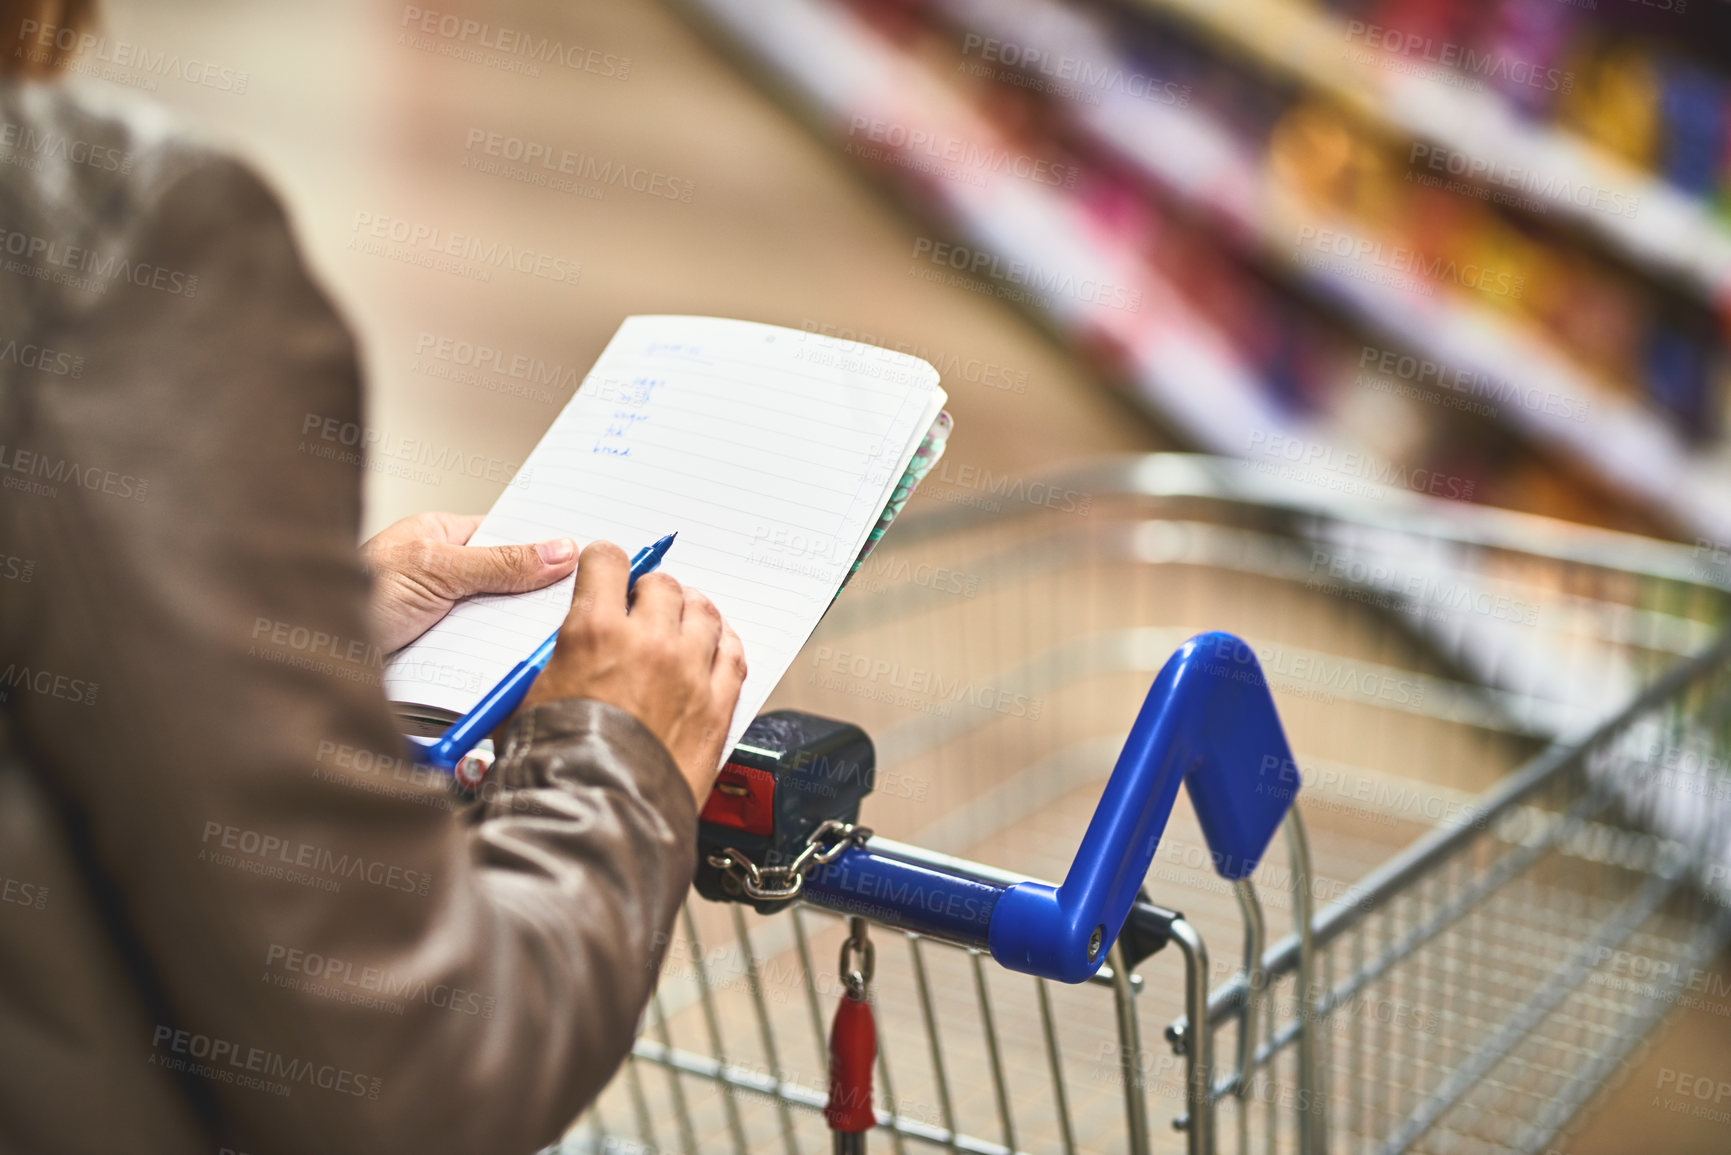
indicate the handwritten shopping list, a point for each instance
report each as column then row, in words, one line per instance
column 769, row 451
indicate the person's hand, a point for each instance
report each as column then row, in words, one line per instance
column 670, row 661
column 421, row 568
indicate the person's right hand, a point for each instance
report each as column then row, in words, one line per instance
column 671, row 661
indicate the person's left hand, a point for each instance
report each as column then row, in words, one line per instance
column 421, row 568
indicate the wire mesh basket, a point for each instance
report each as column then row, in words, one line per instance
column 1506, row 864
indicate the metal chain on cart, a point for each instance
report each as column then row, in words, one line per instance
column 858, row 957
column 775, row 883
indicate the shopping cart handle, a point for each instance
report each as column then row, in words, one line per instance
column 1208, row 721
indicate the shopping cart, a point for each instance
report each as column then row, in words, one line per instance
column 1497, row 882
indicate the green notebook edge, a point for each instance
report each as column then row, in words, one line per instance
column 931, row 448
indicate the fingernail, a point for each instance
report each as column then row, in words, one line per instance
column 554, row 552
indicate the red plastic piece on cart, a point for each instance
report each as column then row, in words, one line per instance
column 853, row 1047
column 743, row 798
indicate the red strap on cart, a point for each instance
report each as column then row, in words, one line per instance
column 853, row 1043
column 853, row 1048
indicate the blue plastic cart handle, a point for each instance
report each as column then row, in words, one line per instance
column 1208, row 721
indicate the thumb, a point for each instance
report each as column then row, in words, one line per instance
column 503, row 569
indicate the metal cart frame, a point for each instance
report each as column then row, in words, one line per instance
column 1308, row 1077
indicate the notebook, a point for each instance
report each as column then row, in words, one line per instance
column 777, row 455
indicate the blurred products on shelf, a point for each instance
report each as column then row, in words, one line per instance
column 1479, row 250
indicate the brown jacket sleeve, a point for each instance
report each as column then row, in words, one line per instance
column 333, row 956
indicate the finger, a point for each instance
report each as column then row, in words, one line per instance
column 499, row 569
column 658, row 599
column 727, row 675
column 456, row 528
column 700, row 627
column 602, row 572
column 415, row 527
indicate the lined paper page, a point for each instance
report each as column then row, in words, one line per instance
column 770, row 452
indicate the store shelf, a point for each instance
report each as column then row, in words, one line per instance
column 837, row 68
column 1189, row 155
column 1669, row 233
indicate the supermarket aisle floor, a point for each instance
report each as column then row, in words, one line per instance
column 762, row 224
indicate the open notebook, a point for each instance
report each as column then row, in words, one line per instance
column 772, row 452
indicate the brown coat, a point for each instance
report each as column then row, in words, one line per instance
column 232, row 914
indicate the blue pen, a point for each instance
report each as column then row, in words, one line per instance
column 508, row 694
